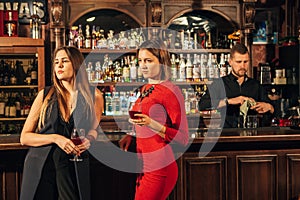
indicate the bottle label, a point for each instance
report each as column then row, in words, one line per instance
column 33, row 75
column 2, row 108
column 12, row 111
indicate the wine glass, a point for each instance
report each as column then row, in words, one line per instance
column 134, row 108
column 77, row 138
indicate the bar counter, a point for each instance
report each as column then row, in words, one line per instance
column 242, row 164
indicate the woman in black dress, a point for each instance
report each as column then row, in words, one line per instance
column 69, row 103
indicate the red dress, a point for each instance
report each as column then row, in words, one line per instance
column 165, row 104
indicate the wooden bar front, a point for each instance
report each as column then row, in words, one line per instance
column 243, row 164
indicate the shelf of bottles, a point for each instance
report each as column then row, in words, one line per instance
column 18, row 88
column 112, row 65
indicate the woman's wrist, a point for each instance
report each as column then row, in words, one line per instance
column 91, row 138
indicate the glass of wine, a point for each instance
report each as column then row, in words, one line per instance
column 134, row 108
column 77, row 138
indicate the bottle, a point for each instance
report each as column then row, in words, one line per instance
column 133, row 70
column 211, row 70
column 94, row 38
column 20, row 73
column 88, row 39
column 98, row 72
column 80, row 38
column 1, row 72
column 116, row 107
column 12, row 106
column 28, row 75
column 189, row 68
column 6, row 74
column 34, row 72
column 18, row 104
column 2, row 104
column 108, row 104
column 13, row 78
column 222, row 66
column 10, row 25
column 124, row 103
column 173, row 68
column 203, row 67
column 126, row 70
column 182, row 70
column 196, row 70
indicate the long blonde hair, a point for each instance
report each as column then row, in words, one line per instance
column 81, row 84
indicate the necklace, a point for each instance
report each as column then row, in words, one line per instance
column 146, row 93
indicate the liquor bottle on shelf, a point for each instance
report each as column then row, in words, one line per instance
column 13, row 78
column 173, row 68
column 189, row 68
column 6, row 74
column 223, row 67
column 88, row 40
column 1, row 71
column 20, row 73
column 196, row 69
column 133, row 69
column 203, row 67
column 18, row 104
column 182, row 70
column 80, row 38
column 12, row 106
column 94, row 38
column 126, row 70
column 34, row 72
column 2, row 104
column 28, row 75
column 124, row 103
column 11, row 23
column 108, row 104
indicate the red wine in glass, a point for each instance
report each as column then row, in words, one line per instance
column 77, row 138
column 132, row 114
column 135, row 108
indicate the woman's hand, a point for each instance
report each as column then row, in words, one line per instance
column 125, row 142
column 66, row 144
column 143, row 120
column 86, row 143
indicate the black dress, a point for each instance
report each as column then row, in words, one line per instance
column 48, row 172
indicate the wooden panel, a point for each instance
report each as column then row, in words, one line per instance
column 257, row 177
column 293, row 178
column 211, row 171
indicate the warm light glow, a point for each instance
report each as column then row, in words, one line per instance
column 90, row 19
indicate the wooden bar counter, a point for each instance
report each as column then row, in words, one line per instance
column 242, row 164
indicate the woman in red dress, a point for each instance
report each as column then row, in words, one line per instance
column 163, row 120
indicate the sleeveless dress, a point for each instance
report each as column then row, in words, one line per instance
column 48, row 173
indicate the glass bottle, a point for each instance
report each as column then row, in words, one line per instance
column 189, row 68
column 34, row 72
column 126, row 70
column 108, row 104
column 94, row 38
column 88, row 39
column 182, row 70
column 20, row 73
column 173, row 68
column 133, row 70
column 80, row 38
column 196, row 72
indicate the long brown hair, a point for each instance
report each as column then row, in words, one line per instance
column 159, row 50
column 81, row 83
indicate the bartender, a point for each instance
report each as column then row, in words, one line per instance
column 236, row 90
